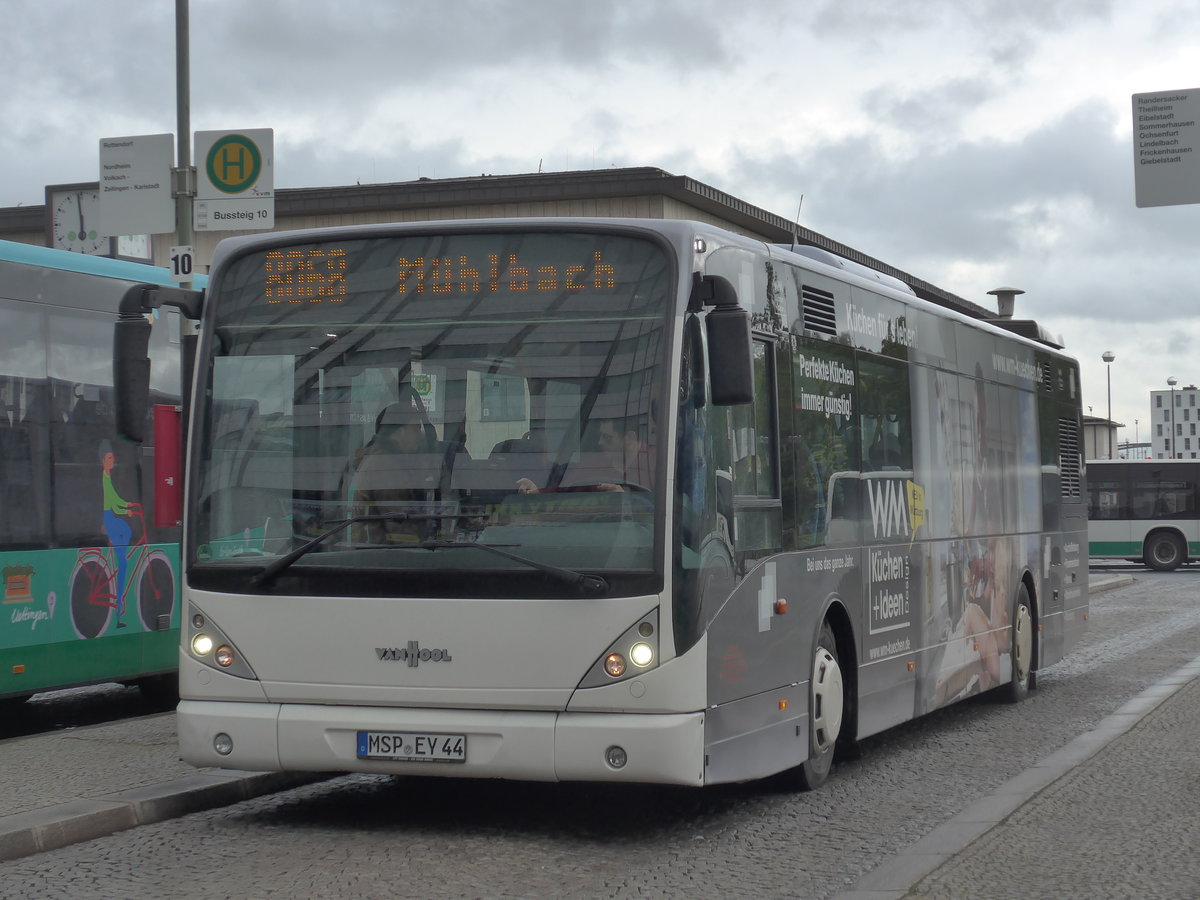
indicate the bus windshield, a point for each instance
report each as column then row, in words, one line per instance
column 401, row 397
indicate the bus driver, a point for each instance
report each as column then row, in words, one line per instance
column 403, row 470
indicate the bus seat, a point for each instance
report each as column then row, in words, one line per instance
column 526, row 444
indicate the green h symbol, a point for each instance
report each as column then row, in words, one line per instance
column 233, row 163
column 228, row 160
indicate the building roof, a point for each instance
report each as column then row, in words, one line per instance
column 556, row 186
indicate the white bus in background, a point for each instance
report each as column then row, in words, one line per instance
column 1145, row 511
column 549, row 499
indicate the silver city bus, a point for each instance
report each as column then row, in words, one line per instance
column 600, row 499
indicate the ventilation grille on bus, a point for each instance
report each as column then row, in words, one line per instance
column 819, row 313
column 1047, row 376
column 1068, row 457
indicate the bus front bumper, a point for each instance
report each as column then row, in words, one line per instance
column 528, row 746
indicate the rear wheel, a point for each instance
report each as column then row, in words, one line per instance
column 827, row 703
column 1164, row 551
column 1021, row 651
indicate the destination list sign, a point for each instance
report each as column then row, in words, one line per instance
column 1166, row 163
column 135, row 184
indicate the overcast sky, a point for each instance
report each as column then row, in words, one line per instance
column 973, row 143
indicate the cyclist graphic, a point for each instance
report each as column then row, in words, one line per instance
column 128, row 568
column 116, row 528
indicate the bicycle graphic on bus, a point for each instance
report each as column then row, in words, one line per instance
column 96, row 593
column 103, row 576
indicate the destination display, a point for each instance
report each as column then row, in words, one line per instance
column 419, row 276
column 300, row 276
column 317, row 274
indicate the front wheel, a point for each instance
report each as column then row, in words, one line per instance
column 1021, row 650
column 827, row 704
column 1164, row 551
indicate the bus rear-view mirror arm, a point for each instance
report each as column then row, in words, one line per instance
column 131, row 358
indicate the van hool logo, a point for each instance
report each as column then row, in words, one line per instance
column 413, row 654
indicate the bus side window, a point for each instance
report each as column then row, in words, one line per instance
column 885, row 415
column 1105, row 501
column 758, row 508
column 824, row 445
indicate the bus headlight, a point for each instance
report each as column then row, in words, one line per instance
column 630, row 655
column 202, row 645
column 211, row 647
column 641, row 654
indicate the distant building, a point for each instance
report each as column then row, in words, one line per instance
column 1173, row 429
column 1100, row 438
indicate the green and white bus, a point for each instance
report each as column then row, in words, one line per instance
column 605, row 499
column 90, row 566
column 1145, row 511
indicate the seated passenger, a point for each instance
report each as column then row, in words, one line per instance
column 404, row 470
column 623, row 462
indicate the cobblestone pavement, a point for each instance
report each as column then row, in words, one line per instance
column 1111, row 813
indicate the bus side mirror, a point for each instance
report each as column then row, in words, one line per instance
column 131, row 375
column 730, row 366
column 131, row 351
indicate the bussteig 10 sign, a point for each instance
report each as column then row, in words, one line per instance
column 235, row 180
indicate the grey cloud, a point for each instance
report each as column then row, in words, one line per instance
column 990, row 204
column 306, row 164
column 1004, row 29
column 307, row 49
column 962, row 192
column 87, row 51
column 938, row 108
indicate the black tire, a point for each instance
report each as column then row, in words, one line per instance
column 1164, row 551
column 827, row 705
column 160, row 690
column 13, row 708
column 1021, row 649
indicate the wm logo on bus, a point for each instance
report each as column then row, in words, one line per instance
column 897, row 507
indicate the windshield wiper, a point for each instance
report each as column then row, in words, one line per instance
column 591, row 584
column 271, row 572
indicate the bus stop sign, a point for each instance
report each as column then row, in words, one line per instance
column 235, row 180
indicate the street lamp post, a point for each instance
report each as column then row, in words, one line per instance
column 1108, row 356
column 1171, row 382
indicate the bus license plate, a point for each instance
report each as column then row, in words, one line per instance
column 406, row 745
